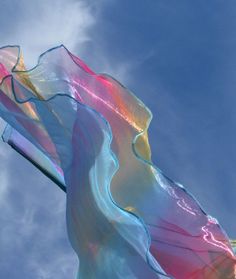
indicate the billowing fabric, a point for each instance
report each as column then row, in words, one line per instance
column 88, row 133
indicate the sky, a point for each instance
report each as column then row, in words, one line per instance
column 179, row 57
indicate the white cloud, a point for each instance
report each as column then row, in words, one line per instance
column 45, row 24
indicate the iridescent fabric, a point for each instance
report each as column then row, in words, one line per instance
column 88, row 133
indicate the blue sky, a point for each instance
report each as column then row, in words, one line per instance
column 179, row 57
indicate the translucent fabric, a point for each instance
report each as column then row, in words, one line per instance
column 88, row 133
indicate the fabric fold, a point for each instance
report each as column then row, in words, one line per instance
column 89, row 134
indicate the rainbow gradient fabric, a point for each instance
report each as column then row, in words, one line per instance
column 89, row 134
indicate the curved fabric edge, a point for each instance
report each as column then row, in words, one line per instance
column 139, row 157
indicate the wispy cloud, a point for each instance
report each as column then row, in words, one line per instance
column 39, row 25
column 33, row 234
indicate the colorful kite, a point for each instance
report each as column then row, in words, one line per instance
column 88, row 133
